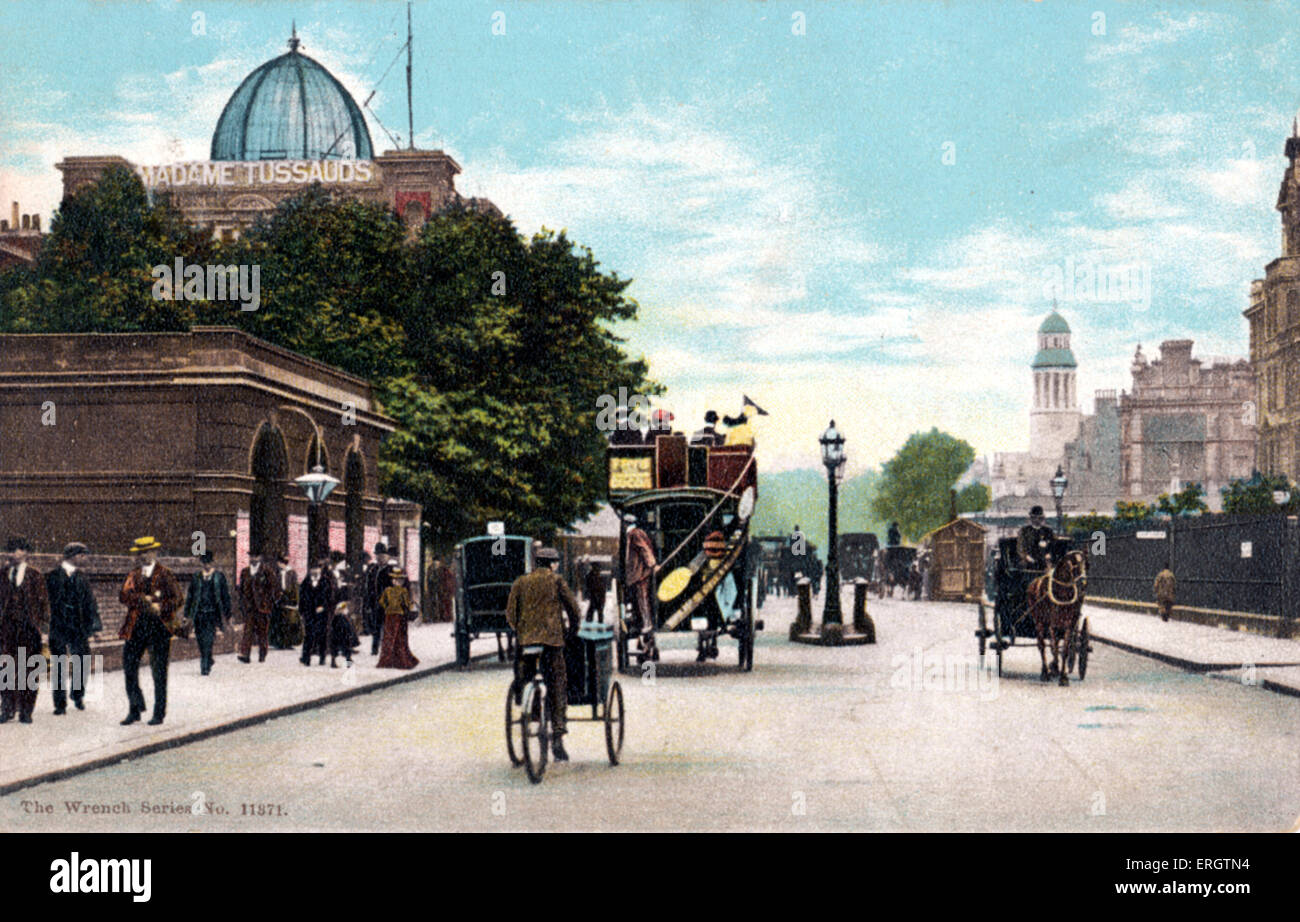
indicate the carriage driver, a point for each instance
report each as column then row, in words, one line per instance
column 1035, row 541
column 535, row 612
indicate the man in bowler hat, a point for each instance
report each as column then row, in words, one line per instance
column 24, row 611
column 259, row 591
column 74, row 617
column 207, row 605
column 378, row 577
column 151, row 596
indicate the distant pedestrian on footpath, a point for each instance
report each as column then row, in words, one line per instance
column 1164, row 589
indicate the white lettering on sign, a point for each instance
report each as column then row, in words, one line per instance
column 1151, row 535
column 253, row 173
column 1247, row 549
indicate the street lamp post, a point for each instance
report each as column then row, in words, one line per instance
column 1059, row 483
column 832, row 443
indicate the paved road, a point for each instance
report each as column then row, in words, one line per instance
column 904, row 735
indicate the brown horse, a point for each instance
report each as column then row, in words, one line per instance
column 1055, row 600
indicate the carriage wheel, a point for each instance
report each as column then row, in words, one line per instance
column 462, row 646
column 1083, row 650
column 535, row 724
column 614, row 722
column 983, row 632
column 997, row 640
column 620, row 640
column 514, row 723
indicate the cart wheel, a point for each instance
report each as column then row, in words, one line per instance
column 1083, row 650
column 983, row 632
column 535, row 726
column 514, row 723
column 614, row 722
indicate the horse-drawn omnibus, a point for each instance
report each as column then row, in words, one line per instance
column 896, row 568
column 486, row 567
column 857, row 553
column 694, row 502
column 1029, row 605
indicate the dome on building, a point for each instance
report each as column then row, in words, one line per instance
column 1054, row 358
column 1054, row 323
column 291, row 108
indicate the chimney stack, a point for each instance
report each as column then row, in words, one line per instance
column 14, row 221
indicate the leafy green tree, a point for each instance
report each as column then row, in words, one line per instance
column 914, row 485
column 1187, row 501
column 1088, row 523
column 974, row 497
column 1133, row 511
column 1254, row 496
column 95, row 267
column 488, row 349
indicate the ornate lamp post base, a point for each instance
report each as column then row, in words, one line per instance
column 832, row 634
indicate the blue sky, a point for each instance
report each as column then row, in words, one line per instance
column 856, row 218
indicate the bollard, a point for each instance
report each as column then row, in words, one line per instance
column 862, row 623
column 803, row 621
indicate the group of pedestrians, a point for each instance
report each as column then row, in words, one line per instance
column 275, row 608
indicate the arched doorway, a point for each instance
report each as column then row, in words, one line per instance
column 354, row 517
column 268, row 527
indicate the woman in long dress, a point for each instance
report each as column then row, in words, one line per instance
column 395, row 603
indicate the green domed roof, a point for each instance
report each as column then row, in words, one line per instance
column 291, row 108
column 1054, row 323
column 1054, row 358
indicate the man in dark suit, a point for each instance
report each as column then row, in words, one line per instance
column 316, row 603
column 151, row 596
column 207, row 605
column 377, row 579
column 1034, row 541
column 24, row 611
column 74, row 616
column 594, row 588
column 286, row 623
column 259, row 591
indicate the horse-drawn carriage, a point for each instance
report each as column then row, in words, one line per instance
column 897, row 566
column 486, row 567
column 857, row 555
column 1032, row 605
column 694, row 503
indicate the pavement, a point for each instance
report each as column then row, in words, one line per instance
column 1233, row 655
column 235, row 695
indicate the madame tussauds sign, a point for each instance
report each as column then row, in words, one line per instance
column 256, row 172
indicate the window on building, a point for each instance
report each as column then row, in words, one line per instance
column 1293, row 307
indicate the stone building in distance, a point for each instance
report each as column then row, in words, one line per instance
column 1274, row 316
column 1186, row 421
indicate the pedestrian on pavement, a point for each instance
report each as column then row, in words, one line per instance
column 594, row 588
column 259, row 591
column 377, row 578
column 24, row 612
column 74, row 617
column 447, row 593
column 285, row 630
column 1164, row 588
column 151, row 596
column 535, row 611
column 207, row 606
column 395, row 603
column 316, row 603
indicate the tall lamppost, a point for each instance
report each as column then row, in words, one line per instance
column 317, row 485
column 832, row 443
column 1059, row 483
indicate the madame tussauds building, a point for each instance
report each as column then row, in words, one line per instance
column 206, row 433
column 289, row 124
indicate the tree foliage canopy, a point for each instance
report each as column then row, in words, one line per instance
column 487, row 348
column 914, row 485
